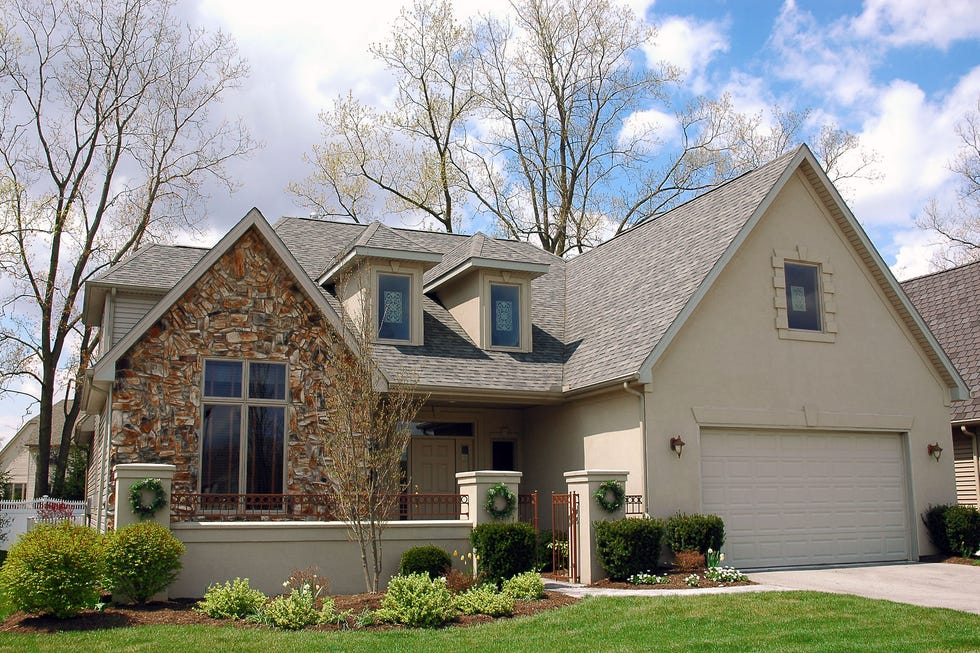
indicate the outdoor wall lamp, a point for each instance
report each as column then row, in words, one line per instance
column 935, row 450
column 677, row 445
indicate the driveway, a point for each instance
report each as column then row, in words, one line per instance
column 933, row 585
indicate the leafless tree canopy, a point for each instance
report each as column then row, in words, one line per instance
column 106, row 139
column 959, row 226
column 552, row 123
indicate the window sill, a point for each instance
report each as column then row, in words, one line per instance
column 809, row 336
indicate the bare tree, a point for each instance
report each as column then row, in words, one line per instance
column 959, row 227
column 405, row 153
column 366, row 425
column 106, row 141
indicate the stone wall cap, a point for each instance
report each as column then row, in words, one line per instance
column 488, row 474
column 144, row 467
column 594, row 474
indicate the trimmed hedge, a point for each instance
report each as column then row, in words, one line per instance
column 963, row 530
column 428, row 559
column 935, row 520
column 695, row 532
column 629, row 546
column 504, row 550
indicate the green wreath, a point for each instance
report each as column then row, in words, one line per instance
column 136, row 497
column 618, row 496
column 510, row 500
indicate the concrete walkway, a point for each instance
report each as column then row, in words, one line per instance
column 931, row 585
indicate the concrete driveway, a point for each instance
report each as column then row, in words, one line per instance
column 933, row 585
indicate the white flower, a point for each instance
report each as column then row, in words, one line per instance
column 722, row 558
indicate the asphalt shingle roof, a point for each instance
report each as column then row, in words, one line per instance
column 949, row 302
column 594, row 318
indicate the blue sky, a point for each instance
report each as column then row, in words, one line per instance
column 898, row 73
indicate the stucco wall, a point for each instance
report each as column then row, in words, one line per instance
column 729, row 357
column 247, row 306
column 266, row 553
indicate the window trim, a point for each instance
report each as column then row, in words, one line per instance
column 825, row 282
column 245, row 403
column 375, row 304
column 414, row 302
column 523, row 286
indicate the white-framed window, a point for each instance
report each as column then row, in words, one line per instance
column 394, row 309
column 243, row 435
column 804, row 296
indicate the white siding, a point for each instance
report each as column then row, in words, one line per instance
column 965, row 463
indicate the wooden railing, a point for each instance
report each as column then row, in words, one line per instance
column 187, row 506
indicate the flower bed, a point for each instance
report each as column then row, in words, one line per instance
column 675, row 581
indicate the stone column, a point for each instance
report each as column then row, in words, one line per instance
column 474, row 485
column 585, row 483
column 129, row 473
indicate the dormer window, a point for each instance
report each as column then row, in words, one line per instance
column 394, row 307
column 505, row 315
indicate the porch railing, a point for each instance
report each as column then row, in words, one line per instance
column 634, row 504
column 187, row 506
column 527, row 509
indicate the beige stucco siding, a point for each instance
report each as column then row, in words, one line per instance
column 601, row 432
column 727, row 367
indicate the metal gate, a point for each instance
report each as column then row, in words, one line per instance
column 565, row 536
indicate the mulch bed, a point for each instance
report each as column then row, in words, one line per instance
column 676, row 582
column 956, row 560
column 179, row 612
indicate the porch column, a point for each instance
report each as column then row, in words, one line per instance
column 475, row 485
column 129, row 473
column 585, row 482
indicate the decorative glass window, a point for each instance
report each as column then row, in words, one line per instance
column 803, row 296
column 394, row 307
column 244, row 427
column 505, row 315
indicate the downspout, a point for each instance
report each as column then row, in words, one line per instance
column 643, row 431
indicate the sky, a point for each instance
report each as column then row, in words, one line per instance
column 899, row 74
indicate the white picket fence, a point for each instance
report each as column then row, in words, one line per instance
column 24, row 514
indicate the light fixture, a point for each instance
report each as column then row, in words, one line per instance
column 677, row 445
column 935, row 450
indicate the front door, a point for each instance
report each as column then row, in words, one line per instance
column 433, row 465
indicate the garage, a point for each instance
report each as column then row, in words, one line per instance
column 807, row 498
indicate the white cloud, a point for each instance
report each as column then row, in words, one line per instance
column 914, row 22
column 916, row 249
column 687, row 44
column 651, row 126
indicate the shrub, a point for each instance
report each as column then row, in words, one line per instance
column 233, row 600
column 525, row 587
column 504, row 550
column 459, row 581
column 298, row 609
column 418, row 601
column 54, row 569
column 427, row 559
column 628, row 546
column 484, row 599
column 689, row 560
column 698, row 532
column 935, row 520
column 142, row 559
column 963, row 530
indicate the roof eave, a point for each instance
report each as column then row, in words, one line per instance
column 531, row 270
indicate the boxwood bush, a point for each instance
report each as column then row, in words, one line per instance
column 629, row 546
column 504, row 550
column 54, row 569
column 695, row 532
column 428, row 559
column 963, row 530
column 141, row 560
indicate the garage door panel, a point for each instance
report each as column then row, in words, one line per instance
column 807, row 498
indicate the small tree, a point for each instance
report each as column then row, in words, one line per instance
column 366, row 422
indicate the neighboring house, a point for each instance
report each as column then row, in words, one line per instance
column 756, row 323
column 19, row 456
column 949, row 302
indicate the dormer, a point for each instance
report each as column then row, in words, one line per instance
column 378, row 278
column 486, row 285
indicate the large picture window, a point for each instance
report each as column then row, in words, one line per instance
column 394, row 307
column 244, row 427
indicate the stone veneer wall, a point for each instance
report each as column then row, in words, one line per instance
column 247, row 306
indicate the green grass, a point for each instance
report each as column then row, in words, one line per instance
column 783, row 621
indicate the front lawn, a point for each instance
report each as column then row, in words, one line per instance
column 764, row 621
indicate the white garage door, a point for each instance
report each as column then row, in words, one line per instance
column 806, row 498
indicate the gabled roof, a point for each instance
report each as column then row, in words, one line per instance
column 380, row 240
column 479, row 251
column 949, row 302
column 26, row 436
column 104, row 370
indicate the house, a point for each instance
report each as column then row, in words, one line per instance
column 948, row 302
column 747, row 354
column 18, row 458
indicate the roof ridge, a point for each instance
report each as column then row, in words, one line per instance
column 955, row 268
